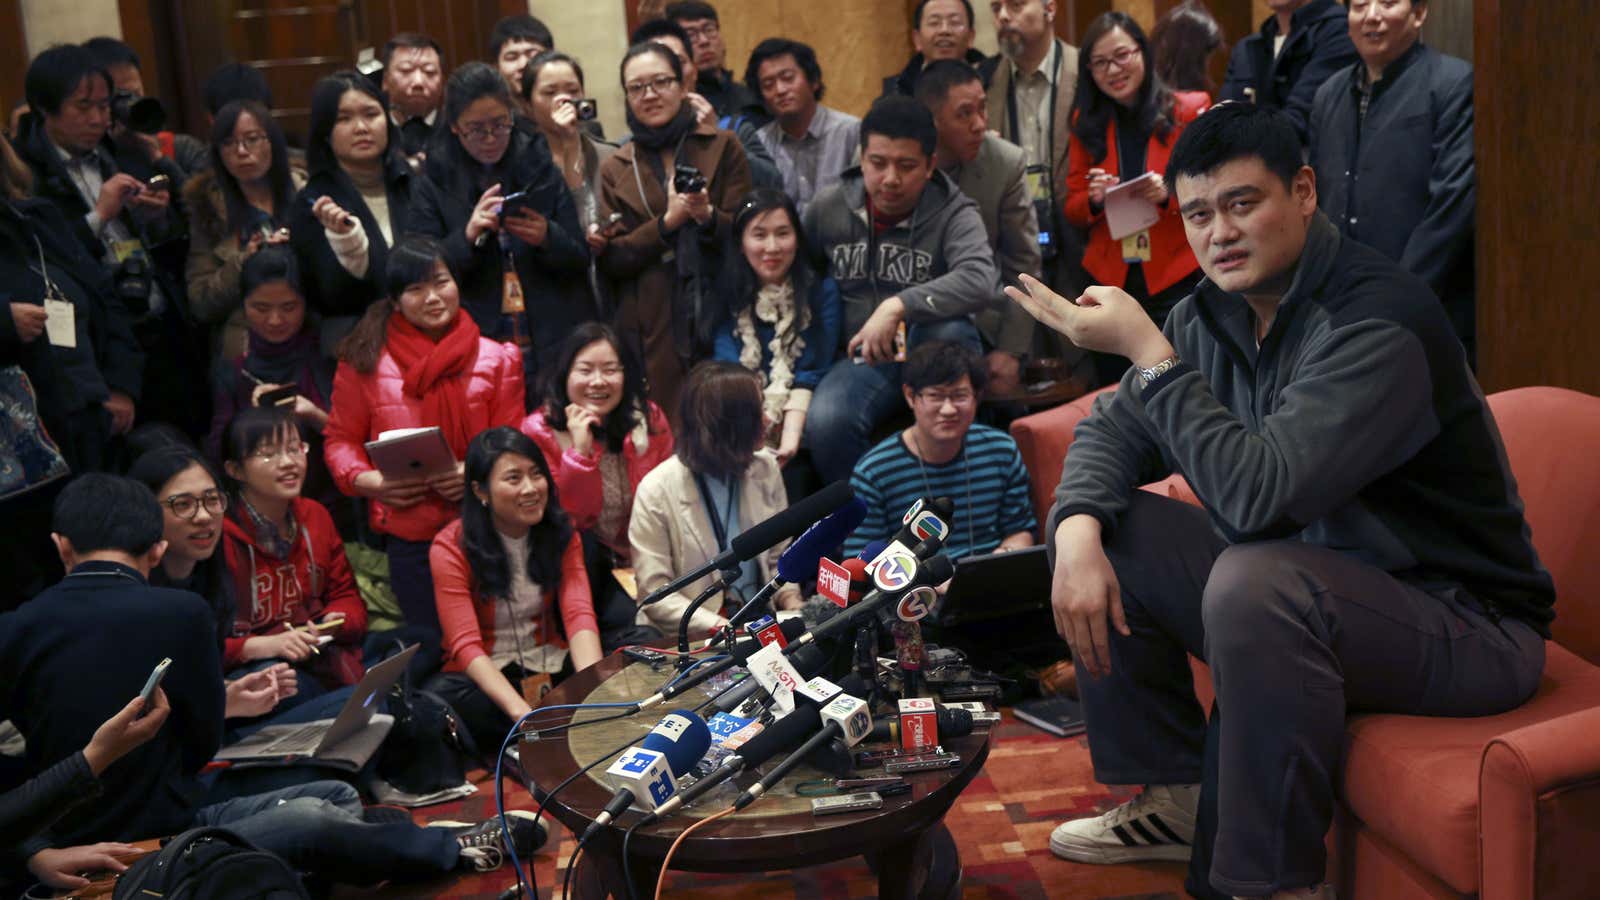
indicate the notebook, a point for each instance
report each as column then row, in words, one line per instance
column 1127, row 212
column 1061, row 716
column 346, row 741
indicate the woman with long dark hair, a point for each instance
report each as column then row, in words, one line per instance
column 781, row 315
column 295, row 592
column 1183, row 42
column 666, row 237
column 354, row 204
column 1125, row 122
column 415, row 361
column 492, row 197
column 720, row 481
column 236, row 207
column 509, row 582
column 193, row 503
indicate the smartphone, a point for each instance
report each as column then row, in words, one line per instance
column 512, row 204
column 148, row 695
column 282, row 396
column 159, row 183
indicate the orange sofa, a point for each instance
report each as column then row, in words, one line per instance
column 1502, row 807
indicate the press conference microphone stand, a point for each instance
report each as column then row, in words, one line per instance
column 724, row 578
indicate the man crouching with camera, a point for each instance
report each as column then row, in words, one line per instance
column 119, row 201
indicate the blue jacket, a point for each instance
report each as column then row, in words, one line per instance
column 1318, row 46
column 1403, row 182
column 821, row 337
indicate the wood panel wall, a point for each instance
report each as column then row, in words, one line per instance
column 13, row 57
column 1537, row 102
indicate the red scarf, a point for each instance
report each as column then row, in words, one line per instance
column 437, row 373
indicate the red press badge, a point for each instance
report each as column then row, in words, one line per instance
column 833, row 582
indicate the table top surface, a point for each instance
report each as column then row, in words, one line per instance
column 776, row 828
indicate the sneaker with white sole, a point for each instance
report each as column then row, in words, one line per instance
column 1157, row 824
column 484, row 844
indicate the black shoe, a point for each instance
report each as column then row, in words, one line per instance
column 484, row 844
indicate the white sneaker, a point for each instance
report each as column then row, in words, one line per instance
column 1157, row 824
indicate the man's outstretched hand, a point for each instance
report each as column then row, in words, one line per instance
column 1103, row 319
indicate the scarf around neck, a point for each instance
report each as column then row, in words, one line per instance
column 296, row 361
column 437, row 373
column 668, row 135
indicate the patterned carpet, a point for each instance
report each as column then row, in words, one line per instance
column 1031, row 782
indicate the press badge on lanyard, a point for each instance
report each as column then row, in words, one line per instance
column 511, row 299
column 1136, row 247
column 1038, row 177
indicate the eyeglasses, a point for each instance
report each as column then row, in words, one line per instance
column 290, row 452
column 937, row 399
column 187, row 506
column 659, row 84
column 482, row 131
column 1122, row 58
column 702, row 32
column 250, row 143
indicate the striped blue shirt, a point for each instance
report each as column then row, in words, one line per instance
column 986, row 481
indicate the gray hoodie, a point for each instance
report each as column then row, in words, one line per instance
column 937, row 259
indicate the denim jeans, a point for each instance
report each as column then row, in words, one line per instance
column 318, row 828
column 854, row 399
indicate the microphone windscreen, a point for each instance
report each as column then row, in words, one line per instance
column 682, row 737
column 799, row 562
column 871, row 551
column 954, row 721
column 936, row 570
column 791, row 521
column 815, row 611
column 860, row 581
column 785, row 733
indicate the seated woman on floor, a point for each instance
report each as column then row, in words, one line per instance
column 495, row 571
column 296, row 595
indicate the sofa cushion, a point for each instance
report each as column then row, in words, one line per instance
column 1414, row 780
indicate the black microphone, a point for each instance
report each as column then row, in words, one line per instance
column 809, row 661
column 759, row 537
column 843, row 716
column 953, row 722
column 742, row 651
column 650, row 770
column 931, row 572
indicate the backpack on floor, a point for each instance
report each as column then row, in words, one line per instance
column 210, row 864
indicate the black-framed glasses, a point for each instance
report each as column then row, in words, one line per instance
column 938, row 399
column 187, row 506
column 249, row 143
column 486, row 131
column 659, row 84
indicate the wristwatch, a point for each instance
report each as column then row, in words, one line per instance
column 1158, row 370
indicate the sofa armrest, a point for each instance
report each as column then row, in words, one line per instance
column 1539, row 809
column 1042, row 439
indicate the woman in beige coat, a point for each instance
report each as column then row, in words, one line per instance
column 663, row 234
column 236, row 207
column 716, row 485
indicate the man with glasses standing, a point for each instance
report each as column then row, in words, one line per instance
column 943, row 454
column 731, row 98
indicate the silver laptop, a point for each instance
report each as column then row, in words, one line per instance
column 345, row 741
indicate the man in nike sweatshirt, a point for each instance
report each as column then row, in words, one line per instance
column 910, row 254
column 1361, row 545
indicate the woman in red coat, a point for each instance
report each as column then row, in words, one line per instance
column 1124, row 125
column 510, row 586
column 415, row 361
column 292, row 584
column 601, row 437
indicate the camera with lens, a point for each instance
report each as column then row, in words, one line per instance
column 586, row 109
column 142, row 114
column 134, row 279
column 687, row 179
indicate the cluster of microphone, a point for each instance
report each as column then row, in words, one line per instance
column 892, row 586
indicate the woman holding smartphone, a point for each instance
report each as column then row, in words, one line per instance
column 511, row 590
column 416, row 361
column 236, row 207
column 355, row 203
column 491, row 196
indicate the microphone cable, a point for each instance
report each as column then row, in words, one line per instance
column 661, row 880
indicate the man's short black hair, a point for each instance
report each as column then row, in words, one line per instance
column 55, row 74
column 1230, row 131
column 97, row 511
column 108, row 52
column 935, row 363
column 916, row 14
column 772, row 48
column 411, row 40
column 655, row 29
column 936, row 81
column 519, row 28
column 690, row 11
column 235, row 81
column 896, row 117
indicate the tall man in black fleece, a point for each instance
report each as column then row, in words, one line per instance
column 1361, row 546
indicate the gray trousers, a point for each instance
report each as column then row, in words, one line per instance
column 1296, row 636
